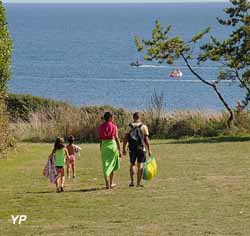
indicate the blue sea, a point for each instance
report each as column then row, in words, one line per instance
column 81, row 53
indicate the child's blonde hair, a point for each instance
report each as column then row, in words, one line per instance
column 59, row 143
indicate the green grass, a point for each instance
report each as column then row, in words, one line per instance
column 201, row 189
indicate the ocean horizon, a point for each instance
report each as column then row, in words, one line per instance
column 81, row 53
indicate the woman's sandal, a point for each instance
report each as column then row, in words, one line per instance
column 140, row 186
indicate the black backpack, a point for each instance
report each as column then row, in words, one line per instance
column 136, row 138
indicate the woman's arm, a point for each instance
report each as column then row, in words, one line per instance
column 118, row 144
column 125, row 141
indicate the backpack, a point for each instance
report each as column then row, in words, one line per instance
column 136, row 138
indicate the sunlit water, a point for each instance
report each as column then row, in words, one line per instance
column 82, row 54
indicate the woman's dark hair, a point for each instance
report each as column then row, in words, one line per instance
column 59, row 143
column 71, row 139
column 107, row 116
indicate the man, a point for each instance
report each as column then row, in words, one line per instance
column 137, row 138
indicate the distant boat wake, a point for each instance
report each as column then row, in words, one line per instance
column 181, row 67
column 150, row 80
column 168, row 80
column 152, row 66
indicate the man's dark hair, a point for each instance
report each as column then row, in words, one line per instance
column 136, row 116
column 107, row 115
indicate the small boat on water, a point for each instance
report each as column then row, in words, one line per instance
column 176, row 73
column 137, row 63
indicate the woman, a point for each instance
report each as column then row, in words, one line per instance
column 110, row 148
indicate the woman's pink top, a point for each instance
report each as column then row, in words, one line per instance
column 107, row 131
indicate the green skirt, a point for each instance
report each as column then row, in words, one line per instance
column 110, row 157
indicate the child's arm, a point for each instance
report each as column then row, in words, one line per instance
column 52, row 153
column 66, row 152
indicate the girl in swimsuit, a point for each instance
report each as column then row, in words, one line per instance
column 72, row 150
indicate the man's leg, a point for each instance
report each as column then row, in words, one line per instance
column 132, row 172
column 139, row 173
column 132, row 168
column 141, row 158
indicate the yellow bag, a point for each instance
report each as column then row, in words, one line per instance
column 154, row 165
column 150, row 169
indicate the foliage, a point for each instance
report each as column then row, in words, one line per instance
column 5, row 141
column 5, row 60
column 233, row 52
column 5, row 51
column 39, row 119
column 46, row 119
column 22, row 105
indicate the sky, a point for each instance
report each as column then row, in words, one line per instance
column 105, row 1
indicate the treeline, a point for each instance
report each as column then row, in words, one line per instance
column 5, row 58
column 41, row 120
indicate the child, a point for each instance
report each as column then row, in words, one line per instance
column 72, row 150
column 60, row 151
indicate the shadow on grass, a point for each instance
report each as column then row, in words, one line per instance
column 86, row 190
column 67, row 191
column 41, row 192
column 220, row 139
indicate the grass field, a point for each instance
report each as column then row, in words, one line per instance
column 202, row 188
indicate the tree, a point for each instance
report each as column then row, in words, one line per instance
column 5, row 62
column 232, row 52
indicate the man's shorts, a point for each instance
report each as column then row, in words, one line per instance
column 138, row 155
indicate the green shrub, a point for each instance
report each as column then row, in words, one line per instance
column 5, row 58
column 6, row 140
column 38, row 119
column 20, row 106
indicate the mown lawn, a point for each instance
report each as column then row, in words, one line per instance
column 201, row 188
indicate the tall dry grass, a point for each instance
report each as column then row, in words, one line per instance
column 46, row 124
